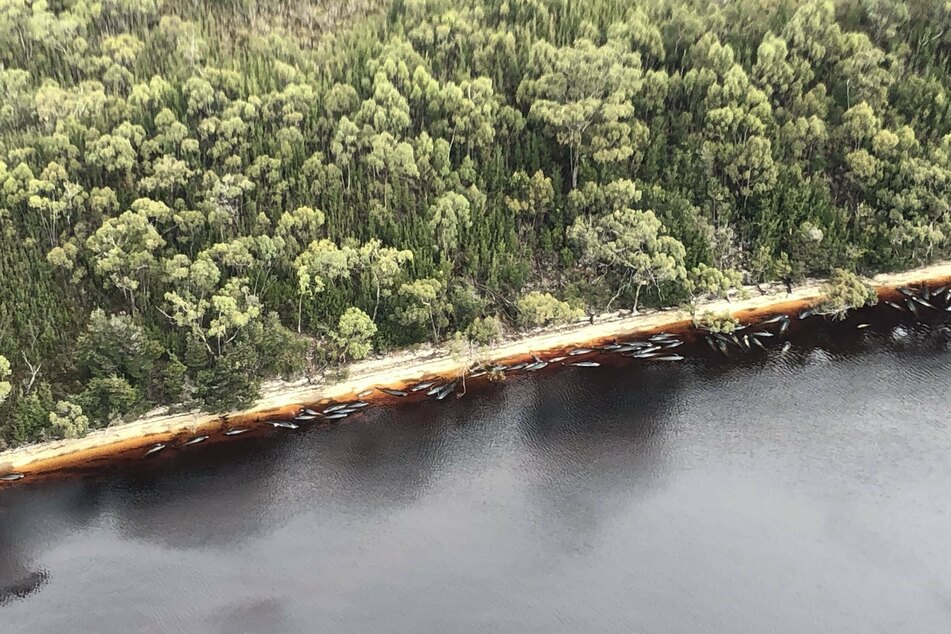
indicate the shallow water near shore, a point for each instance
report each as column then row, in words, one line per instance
column 792, row 492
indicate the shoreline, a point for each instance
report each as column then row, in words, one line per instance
column 394, row 370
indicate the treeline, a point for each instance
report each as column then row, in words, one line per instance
column 198, row 196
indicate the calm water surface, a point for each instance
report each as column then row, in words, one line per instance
column 805, row 492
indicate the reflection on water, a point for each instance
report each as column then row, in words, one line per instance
column 797, row 492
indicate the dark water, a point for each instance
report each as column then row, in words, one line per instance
column 805, row 492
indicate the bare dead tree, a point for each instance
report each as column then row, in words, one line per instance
column 34, row 372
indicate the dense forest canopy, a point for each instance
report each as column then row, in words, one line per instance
column 195, row 196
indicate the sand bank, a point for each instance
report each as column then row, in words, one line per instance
column 282, row 398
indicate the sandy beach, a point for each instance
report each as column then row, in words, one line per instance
column 281, row 398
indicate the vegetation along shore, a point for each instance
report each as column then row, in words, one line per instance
column 441, row 367
column 199, row 198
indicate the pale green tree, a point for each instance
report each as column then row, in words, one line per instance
column 63, row 257
column 124, row 250
column 116, row 345
column 218, row 319
column 354, row 334
column 484, row 330
column 716, row 322
column 168, row 175
column 450, row 217
column 299, row 227
column 582, row 93
column 531, row 197
column 390, row 160
column 632, row 246
column 713, row 281
column 55, row 198
column 384, row 265
column 113, row 154
column 5, row 386
column 543, row 309
column 68, row 420
column 320, row 264
column 469, row 109
column 424, row 302
column 844, row 291
column 200, row 96
column 345, row 144
column 340, row 100
column 387, row 111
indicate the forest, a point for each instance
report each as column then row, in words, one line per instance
column 199, row 196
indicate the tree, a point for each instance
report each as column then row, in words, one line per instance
column 63, row 257
column 387, row 111
column 531, row 196
column 630, row 244
column 124, row 249
column 321, row 263
column 300, row 227
column 390, row 159
column 384, row 265
column 345, row 145
column 5, row 386
column 354, row 334
column 713, row 281
column 583, row 94
column 115, row 345
column 424, row 301
column 113, row 154
column 484, row 330
column 843, row 291
column 106, row 400
column 716, row 322
column 219, row 319
column 542, row 309
column 68, row 420
column 55, row 198
column 450, row 216
column 168, row 176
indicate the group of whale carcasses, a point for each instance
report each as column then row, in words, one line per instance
column 916, row 303
column 922, row 301
column 762, row 335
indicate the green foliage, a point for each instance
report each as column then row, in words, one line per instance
column 108, row 400
column 423, row 303
column 123, row 250
column 5, row 386
column 712, row 281
column 354, row 335
column 582, row 94
column 716, row 322
column 68, row 421
column 115, row 345
column 484, row 330
column 450, row 216
column 384, row 266
column 843, row 291
column 230, row 380
column 29, row 416
column 631, row 246
column 542, row 309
